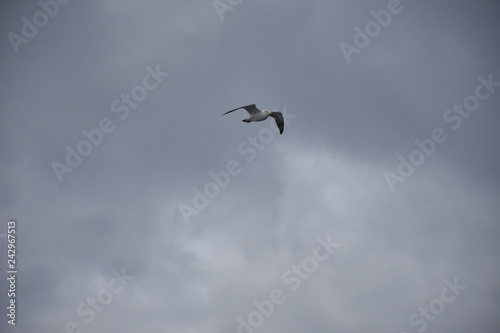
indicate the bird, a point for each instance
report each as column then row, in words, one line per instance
column 260, row 115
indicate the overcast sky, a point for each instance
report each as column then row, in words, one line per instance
column 140, row 208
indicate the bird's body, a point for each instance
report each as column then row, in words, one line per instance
column 260, row 115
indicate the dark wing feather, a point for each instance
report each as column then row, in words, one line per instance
column 280, row 122
column 251, row 108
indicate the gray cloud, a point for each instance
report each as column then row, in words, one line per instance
column 324, row 176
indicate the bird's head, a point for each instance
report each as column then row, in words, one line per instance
column 267, row 112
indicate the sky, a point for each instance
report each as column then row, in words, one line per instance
column 137, row 206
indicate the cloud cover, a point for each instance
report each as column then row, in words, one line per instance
column 119, row 209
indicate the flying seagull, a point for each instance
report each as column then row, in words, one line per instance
column 260, row 115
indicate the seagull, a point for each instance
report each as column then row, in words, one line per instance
column 260, row 115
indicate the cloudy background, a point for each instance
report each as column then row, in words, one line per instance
column 324, row 177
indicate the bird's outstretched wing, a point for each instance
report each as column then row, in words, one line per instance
column 252, row 109
column 280, row 122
